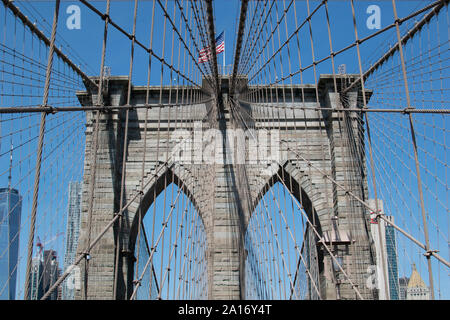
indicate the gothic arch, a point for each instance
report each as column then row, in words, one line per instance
column 294, row 177
column 170, row 175
column 291, row 178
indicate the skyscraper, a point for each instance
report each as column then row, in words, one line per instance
column 72, row 233
column 10, row 212
column 403, row 285
column 385, row 247
column 36, row 287
column 380, row 249
column 44, row 273
column 50, row 273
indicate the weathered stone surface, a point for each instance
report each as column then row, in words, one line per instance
column 314, row 144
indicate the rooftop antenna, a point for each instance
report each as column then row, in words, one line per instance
column 10, row 166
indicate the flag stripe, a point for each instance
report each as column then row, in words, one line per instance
column 205, row 53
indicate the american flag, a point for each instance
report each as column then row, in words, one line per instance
column 205, row 53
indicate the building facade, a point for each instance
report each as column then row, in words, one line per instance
column 50, row 273
column 392, row 261
column 403, row 286
column 72, row 234
column 10, row 213
column 44, row 273
column 385, row 248
column 36, row 287
column 379, row 242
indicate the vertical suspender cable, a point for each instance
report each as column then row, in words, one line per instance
column 39, row 152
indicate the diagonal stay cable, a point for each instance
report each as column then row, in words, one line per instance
column 311, row 224
column 242, row 18
column 137, row 42
column 42, row 37
column 431, row 252
column 106, row 228
column 150, row 258
column 212, row 45
column 350, row 46
column 410, row 237
column 438, row 5
column 181, row 38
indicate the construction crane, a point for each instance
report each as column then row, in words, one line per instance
column 41, row 244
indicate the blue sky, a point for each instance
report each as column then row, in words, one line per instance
column 226, row 18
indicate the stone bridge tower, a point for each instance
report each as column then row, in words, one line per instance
column 311, row 145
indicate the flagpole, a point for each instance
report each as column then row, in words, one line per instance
column 224, row 48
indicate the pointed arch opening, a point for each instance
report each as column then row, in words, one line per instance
column 168, row 241
column 283, row 256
